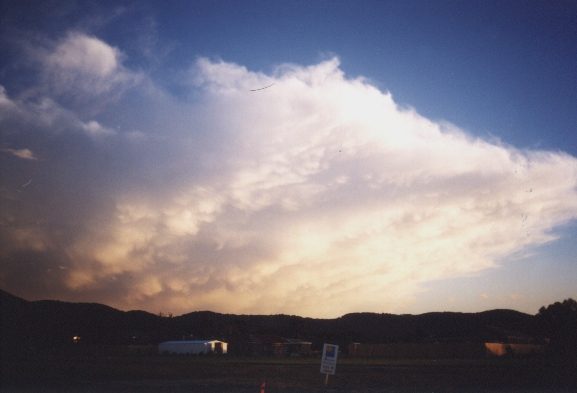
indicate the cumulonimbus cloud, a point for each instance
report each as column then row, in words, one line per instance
column 318, row 196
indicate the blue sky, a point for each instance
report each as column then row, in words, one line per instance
column 407, row 157
column 450, row 59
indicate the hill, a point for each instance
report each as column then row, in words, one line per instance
column 50, row 325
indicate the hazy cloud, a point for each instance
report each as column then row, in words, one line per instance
column 25, row 154
column 45, row 115
column 316, row 196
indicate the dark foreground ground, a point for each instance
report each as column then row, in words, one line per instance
column 175, row 374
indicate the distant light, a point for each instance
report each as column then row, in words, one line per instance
column 75, row 339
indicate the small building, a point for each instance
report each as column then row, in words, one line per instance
column 193, row 347
column 507, row 349
column 455, row 350
column 263, row 345
column 417, row 350
column 292, row 347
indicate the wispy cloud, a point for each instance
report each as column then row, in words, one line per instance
column 44, row 114
column 25, row 154
column 318, row 195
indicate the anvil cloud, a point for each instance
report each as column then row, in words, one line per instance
column 317, row 196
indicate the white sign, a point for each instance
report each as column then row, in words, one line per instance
column 329, row 360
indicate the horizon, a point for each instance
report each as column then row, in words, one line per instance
column 168, row 314
column 289, row 157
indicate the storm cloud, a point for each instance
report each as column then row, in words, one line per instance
column 318, row 190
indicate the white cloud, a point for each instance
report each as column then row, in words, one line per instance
column 86, row 55
column 5, row 102
column 316, row 196
column 95, row 129
column 81, row 64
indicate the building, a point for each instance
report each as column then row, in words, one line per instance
column 506, row 349
column 417, row 350
column 443, row 350
column 292, row 347
column 263, row 345
column 193, row 347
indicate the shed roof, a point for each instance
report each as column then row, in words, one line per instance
column 191, row 342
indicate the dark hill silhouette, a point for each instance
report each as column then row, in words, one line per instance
column 50, row 325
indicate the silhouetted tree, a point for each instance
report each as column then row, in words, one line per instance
column 559, row 321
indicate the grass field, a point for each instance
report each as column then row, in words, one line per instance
column 154, row 373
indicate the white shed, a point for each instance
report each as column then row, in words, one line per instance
column 193, row 347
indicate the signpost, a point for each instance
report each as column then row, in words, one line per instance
column 329, row 360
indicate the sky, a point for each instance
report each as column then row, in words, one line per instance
column 312, row 158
